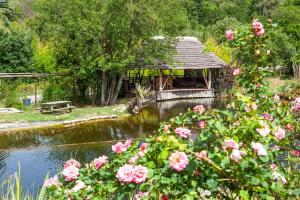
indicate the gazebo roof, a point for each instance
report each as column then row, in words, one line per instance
column 190, row 54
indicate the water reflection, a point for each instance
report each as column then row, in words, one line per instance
column 45, row 150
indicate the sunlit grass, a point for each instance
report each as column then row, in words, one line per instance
column 34, row 116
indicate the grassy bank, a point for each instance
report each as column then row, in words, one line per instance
column 79, row 113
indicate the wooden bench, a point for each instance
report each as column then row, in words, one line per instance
column 56, row 107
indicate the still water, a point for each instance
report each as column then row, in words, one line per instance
column 44, row 151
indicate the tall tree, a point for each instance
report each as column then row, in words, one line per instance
column 99, row 39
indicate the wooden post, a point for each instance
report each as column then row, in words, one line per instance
column 209, row 79
column 160, row 79
column 35, row 91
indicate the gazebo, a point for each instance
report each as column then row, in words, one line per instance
column 189, row 76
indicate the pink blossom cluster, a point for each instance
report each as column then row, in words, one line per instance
column 236, row 155
column 141, row 153
column 230, row 144
column 259, row 149
column 264, row 130
column 236, row 71
column 279, row 177
column 132, row 174
column 52, row 182
column 268, row 117
column 289, row 127
column 250, row 106
column 279, row 133
column 71, row 170
column 201, row 155
column 199, row 109
column 178, row 161
column 296, row 107
column 99, row 162
column 183, row 132
column 276, row 98
column 120, row 147
column 229, row 35
column 201, row 124
column 257, row 28
column 140, row 195
column 79, row 186
column 273, row 167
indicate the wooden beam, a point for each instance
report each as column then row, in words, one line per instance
column 160, row 79
column 209, row 79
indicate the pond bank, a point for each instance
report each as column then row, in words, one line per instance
column 32, row 119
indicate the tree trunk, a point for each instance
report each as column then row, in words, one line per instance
column 112, row 89
column 103, row 88
column 296, row 70
column 117, row 90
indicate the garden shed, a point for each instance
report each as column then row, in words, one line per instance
column 192, row 73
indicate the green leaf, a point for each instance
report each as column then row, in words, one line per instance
column 212, row 184
column 244, row 194
column 255, row 181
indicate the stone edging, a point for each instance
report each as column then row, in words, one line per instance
column 15, row 127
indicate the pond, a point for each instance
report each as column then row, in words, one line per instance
column 44, row 151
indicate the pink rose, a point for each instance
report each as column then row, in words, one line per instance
column 132, row 174
column 257, row 28
column 236, row 155
column 178, row 161
column 199, row 109
column 259, row 149
column 201, row 124
column 273, row 167
column 99, row 162
column 144, row 147
column 79, row 185
column 276, row 98
column 119, row 148
column 52, row 182
column 183, row 132
column 236, row 71
column 125, row 173
column 279, row 134
column 140, row 195
column 289, row 127
column 264, row 131
column 268, row 117
column 127, row 143
column 72, row 162
column 230, row 144
column 278, row 177
column 70, row 173
column 139, row 174
column 166, row 128
column 251, row 106
column 202, row 155
column 229, row 35
column 296, row 153
column 133, row 160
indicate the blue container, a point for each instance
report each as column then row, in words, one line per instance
column 27, row 102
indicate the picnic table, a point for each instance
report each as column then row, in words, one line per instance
column 56, row 107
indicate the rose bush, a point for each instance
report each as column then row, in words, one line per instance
column 248, row 151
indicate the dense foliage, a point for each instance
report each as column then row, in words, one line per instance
column 246, row 152
column 94, row 42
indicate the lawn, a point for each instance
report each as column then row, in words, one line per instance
column 79, row 113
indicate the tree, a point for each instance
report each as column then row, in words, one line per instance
column 16, row 51
column 97, row 39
